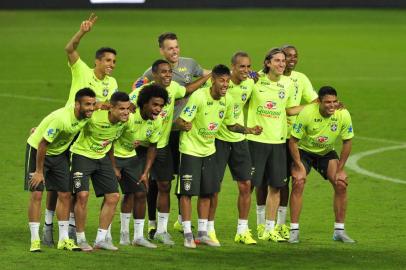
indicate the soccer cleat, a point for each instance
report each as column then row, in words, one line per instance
column 189, row 242
column 245, row 238
column 213, row 237
column 47, row 236
column 283, row 230
column 105, row 244
column 294, row 236
column 35, row 246
column 272, row 236
column 205, row 239
column 177, row 226
column 68, row 244
column 164, row 238
column 260, row 230
column 142, row 242
column 151, row 232
column 125, row 238
column 84, row 246
column 72, row 232
column 341, row 235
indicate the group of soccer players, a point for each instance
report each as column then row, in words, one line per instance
column 183, row 120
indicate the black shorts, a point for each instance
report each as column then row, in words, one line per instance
column 237, row 156
column 268, row 164
column 100, row 170
column 131, row 170
column 174, row 145
column 197, row 176
column 319, row 163
column 56, row 171
column 289, row 161
column 162, row 169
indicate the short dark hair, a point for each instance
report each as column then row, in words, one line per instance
column 326, row 90
column 84, row 92
column 164, row 36
column 220, row 70
column 119, row 97
column 156, row 64
column 100, row 52
column 238, row 54
column 288, row 46
column 269, row 56
column 151, row 91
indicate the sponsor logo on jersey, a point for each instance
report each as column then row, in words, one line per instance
column 52, row 132
column 189, row 111
column 322, row 139
column 270, row 105
column 209, row 103
column 317, row 120
column 212, row 126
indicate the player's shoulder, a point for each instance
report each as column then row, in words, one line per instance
column 187, row 60
column 343, row 113
column 310, row 109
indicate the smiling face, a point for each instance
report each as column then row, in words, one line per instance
column 120, row 111
column 85, row 107
column 163, row 76
column 328, row 105
column 220, row 84
column 153, row 108
column 241, row 68
column 277, row 64
column 170, row 50
column 106, row 64
column 291, row 59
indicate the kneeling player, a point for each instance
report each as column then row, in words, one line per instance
column 311, row 144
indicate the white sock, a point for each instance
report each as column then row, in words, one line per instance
column 63, row 230
column 152, row 223
column 242, row 226
column 210, row 226
column 260, row 214
column 269, row 225
column 338, row 226
column 187, row 226
column 180, row 219
column 49, row 217
column 294, row 226
column 125, row 222
column 282, row 210
column 202, row 225
column 101, row 235
column 80, row 237
column 72, row 219
column 108, row 235
column 138, row 228
column 162, row 222
column 34, row 228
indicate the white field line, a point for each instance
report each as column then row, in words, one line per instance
column 32, row 98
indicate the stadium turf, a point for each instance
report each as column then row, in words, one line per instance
column 360, row 52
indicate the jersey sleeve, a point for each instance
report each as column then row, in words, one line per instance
column 144, row 79
column 134, row 96
column 156, row 133
column 298, row 129
column 197, row 69
column 53, row 129
column 347, row 131
column 191, row 108
column 180, row 90
column 290, row 96
column 308, row 91
column 230, row 117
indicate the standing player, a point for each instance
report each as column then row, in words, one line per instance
column 143, row 126
column 47, row 164
column 93, row 156
column 312, row 145
column 303, row 93
column 184, row 71
column 204, row 113
column 232, row 149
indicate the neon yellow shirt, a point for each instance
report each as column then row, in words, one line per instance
column 83, row 76
column 59, row 128
column 240, row 94
column 318, row 134
column 267, row 108
column 206, row 115
column 97, row 136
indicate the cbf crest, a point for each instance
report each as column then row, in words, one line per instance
column 105, row 92
column 221, row 114
column 333, row 127
column 244, row 97
column 281, row 94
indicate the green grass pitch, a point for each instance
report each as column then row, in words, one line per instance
column 360, row 52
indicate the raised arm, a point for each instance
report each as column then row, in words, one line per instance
column 191, row 87
column 73, row 44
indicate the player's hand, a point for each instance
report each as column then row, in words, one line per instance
column 117, row 172
column 36, row 179
column 32, row 130
column 298, row 171
column 144, row 180
column 132, row 108
column 136, row 143
column 186, row 126
column 257, row 130
column 87, row 25
column 341, row 176
column 103, row 106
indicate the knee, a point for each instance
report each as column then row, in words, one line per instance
column 340, row 187
column 164, row 187
column 128, row 197
column 36, row 196
column 244, row 187
column 140, row 196
column 112, row 198
column 298, row 185
column 81, row 198
column 64, row 196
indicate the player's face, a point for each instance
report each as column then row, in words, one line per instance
column 242, row 67
column 86, row 106
column 291, row 58
column 163, row 76
column 154, row 107
column 277, row 64
column 170, row 50
column 220, row 84
column 120, row 111
column 328, row 104
column 107, row 63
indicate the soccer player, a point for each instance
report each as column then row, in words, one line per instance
column 93, row 156
column 201, row 119
column 143, row 126
column 47, row 164
column 311, row 144
column 162, row 170
column 270, row 98
column 232, row 149
column 303, row 94
column 184, row 71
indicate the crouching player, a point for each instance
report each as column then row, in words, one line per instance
column 314, row 134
